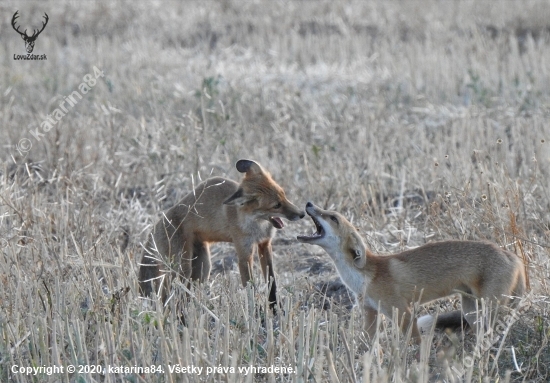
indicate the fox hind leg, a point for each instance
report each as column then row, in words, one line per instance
column 480, row 316
column 200, row 262
column 148, row 271
column 408, row 320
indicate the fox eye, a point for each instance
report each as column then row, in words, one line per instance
column 277, row 206
column 334, row 219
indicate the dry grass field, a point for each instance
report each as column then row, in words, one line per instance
column 419, row 120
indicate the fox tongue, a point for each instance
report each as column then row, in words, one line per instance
column 277, row 222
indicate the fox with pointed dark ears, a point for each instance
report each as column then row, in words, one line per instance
column 218, row 210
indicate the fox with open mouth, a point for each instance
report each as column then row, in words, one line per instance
column 474, row 269
column 218, row 210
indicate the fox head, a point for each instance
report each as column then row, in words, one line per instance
column 337, row 236
column 261, row 196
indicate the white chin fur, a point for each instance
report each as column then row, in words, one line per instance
column 425, row 323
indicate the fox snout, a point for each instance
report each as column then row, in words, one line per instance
column 312, row 209
column 288, row 211
column 294, row 213
column 319, row 233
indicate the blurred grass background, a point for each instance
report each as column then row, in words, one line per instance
column 421, row 120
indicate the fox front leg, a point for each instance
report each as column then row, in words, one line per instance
column 370, row 321
column 245, row 259
column 266, row 261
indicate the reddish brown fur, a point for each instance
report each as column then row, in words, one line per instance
column 218, row 210
column 475, row 269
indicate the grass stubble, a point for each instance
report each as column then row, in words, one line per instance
column 421, row 121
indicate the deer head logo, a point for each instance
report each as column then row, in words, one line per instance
column 29, row 40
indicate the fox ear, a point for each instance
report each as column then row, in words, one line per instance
column 238, row 198
column 359, row 258
column 248, row 166
column 358, row 251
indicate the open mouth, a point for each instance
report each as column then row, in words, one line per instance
column 319, row 233
column 276, row 222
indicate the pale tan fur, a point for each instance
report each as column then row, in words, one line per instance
column 475, row 269
column 218, row 210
